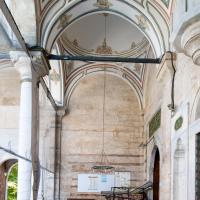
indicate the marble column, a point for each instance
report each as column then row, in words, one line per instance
column 23, row 65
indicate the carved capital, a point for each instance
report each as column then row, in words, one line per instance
column 22, row 63
column 190, row 42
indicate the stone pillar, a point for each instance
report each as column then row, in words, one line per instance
column 23, row 64
column 58, row 141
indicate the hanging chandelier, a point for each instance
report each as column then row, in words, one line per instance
column 103, row 165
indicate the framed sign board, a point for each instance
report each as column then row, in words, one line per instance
column 95, row 183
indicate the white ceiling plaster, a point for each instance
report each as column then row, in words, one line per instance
column 90, row 32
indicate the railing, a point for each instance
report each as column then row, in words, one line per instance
column 128, row 193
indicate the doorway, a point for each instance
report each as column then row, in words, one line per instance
column 8, row 180
column 156, row 176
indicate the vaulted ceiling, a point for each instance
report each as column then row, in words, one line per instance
column 125, row 28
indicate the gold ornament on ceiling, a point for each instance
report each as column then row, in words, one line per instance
column 54, row 76
column 103, row 4
column 75, row 42
column 64, row 20
column 142, row 22
column 104, row 48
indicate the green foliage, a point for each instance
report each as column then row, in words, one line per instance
column 12, row 183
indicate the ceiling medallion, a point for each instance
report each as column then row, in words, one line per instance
column 104, row 48
column 103, row 4
column 64, row 20
column 54, row 76
column 142, row 22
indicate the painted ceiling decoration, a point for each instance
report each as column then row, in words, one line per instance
column 132, row 13
column 76, row 27
column 135, row 49
column 104, row 49
column 90, row 69
column 103, row 4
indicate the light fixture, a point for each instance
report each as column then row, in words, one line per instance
column 103, row 165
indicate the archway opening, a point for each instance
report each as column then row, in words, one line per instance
column 8, row 180
column 156, row 176
column 12, row 182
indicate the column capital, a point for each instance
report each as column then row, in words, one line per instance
column 23, row 64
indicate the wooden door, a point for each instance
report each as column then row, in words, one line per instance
column 156, row 176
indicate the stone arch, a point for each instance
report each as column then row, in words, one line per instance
column 5, row 168
column 130, row 11
column 154, row 162
column 93, row 69
column 155, row 172
column 195, row 108
column 179, row 178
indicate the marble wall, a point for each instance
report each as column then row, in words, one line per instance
column 9, row 111
column 176, row 171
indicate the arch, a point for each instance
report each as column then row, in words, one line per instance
column 93, row 69
column 195, row 108
column 12, row 182
column 5, row 169
column 130, row 11
column 154, row 173
column 179, row 184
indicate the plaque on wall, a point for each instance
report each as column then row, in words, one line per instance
column 95, row 183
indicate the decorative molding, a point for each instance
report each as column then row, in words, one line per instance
column 103, row 4
column 142, row 22
column 104, row 48
column 64, row 20
column 49, row 37
column 135, row 50
column 117, row 70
